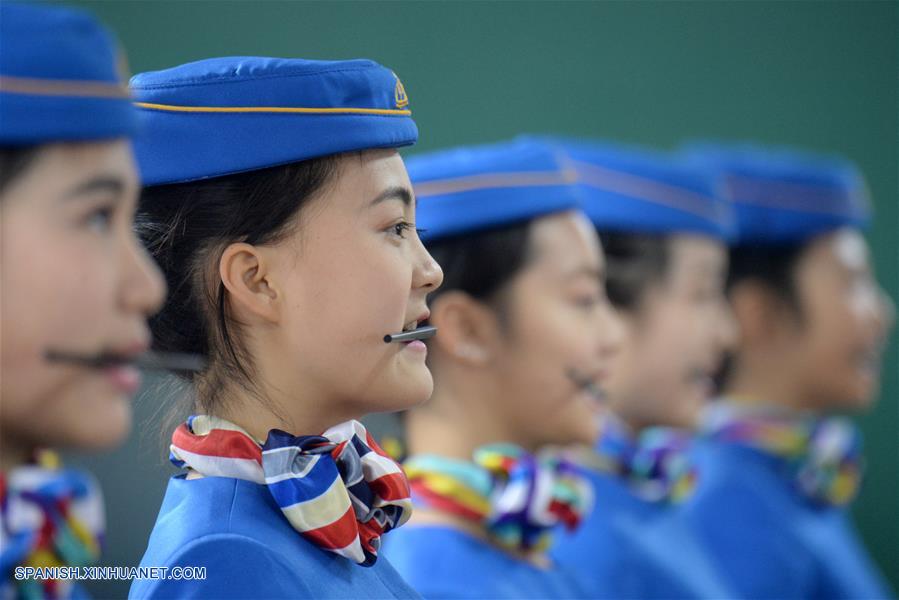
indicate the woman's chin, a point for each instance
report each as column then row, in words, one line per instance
column 857, row 398
column 580, row 430
column 411, row 389
column 684, row 411
column 417, row 389
column 95, row 434
column 585, row 436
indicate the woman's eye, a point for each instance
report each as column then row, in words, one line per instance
column 586, row 302
column 399, row 229
column 100, row 219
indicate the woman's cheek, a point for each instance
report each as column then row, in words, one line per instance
column 34, row 312
column 87, row 281
column 384, row 280
column 565, row 326
column 387, row 304
column 568, row 343
column 58, row 292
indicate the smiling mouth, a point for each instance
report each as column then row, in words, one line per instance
column 703, row 379
column 588, row 385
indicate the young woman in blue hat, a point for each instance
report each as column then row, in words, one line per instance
column 665, row 231
column 76, row 284
column 526, row 338
column 281, row 213
column 779, row 468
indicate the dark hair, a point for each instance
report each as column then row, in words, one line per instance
column 634, row 262
column 481, row 264
column 186, row 226
column 773, row 266
column 15, row 160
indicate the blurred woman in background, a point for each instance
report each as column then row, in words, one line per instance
column 526, row 337
column 665, row 231
column 77, row 285
column 779, row 469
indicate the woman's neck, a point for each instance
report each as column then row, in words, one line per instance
column 631, row 424
column 260, row 413
column 753, row 405
column 13, row 453
column 747, row 386
column 456, row 421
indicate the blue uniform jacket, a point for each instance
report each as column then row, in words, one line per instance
column 236, row 531
column 444, row 562
column 769, row 539
column 632, row 548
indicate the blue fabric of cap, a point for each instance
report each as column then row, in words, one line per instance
column 782, row 195
column 60, row 77
column 228, row 115
column 471, row 189
column 632, row 189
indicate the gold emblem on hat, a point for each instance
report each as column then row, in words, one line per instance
column 399, row 94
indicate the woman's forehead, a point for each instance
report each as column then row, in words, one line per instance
column 565, row 246
column 66, row 171
column 369, row 176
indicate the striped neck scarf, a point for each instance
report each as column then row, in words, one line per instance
column 51, row 517
column 517, row 497
column 822, row 455
column 339, row 490
column 655, row 464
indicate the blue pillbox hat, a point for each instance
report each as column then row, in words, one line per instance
column 229, row 115
column 782, row 195
column 477, row 188
column 60, row 77
column 638, row 190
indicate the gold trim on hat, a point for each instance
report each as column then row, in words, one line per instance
column 273, row 109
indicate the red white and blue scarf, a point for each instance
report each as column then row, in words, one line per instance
column 822, row 455
column 339, row 490
column 517, row 497
column 49, row 517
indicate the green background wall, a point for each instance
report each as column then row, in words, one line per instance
column 818, row 75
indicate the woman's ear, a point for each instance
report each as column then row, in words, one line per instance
column 244, row 271
column 467, row 330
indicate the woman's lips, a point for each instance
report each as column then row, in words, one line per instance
column 125, row 378
column 415, row 346
column 415, row 324
column 702, row 381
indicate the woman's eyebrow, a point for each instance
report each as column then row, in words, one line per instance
column 589, row 271
column 394, row 193
column 103, row 184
